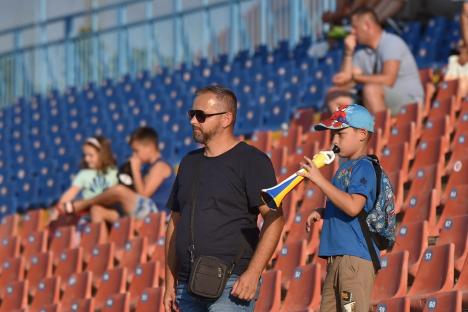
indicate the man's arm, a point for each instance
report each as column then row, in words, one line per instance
column 246, row 286
column 346, row 73
column 170, row 268
column 387, row 77
column 464, row 23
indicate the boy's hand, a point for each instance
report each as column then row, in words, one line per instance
column 312, row 172
column 313, row 217
column 135, row 163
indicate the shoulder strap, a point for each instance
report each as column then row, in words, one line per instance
column 192, row 210
column 363, row 215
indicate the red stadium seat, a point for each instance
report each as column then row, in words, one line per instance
column 429, row 152
column 9, row 247
column 422, row 207
column 47, row 293
column 435, row 274
column 122, row 230
column 395, row 158
column 262, row 140
column 77, row 287
column 63, row 238
column 111, row 282
column 69, row 262
column 12, row 270
column 159, row 255
column 92, row 235
column 14, row 296
column 117, row 303
column 304, row 291
column 151, row 300
column 31, row 222
column 101, row 259
column 455, row 230
column 134, row 253
column 153, row 228
column 442, row 302
column 9, row 225
column 291, row 256
column 391, row 281
column 441, row 126
column 291, row 139
column 405, row 133
column 411, row 113
column 35, row 243
column 83, row 305
column 269, row 299
column 321, row 138
column 457, row 176
column 413, row 238
column 39, row 267
column 401, row 304
column 144, row 276
column 298, row 231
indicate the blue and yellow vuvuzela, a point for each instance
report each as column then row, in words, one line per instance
column 273, row 196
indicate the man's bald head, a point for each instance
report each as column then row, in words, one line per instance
column 367, row 14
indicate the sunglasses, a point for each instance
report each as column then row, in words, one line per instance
column 201, row 115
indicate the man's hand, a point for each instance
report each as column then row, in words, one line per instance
column 341, row 79
column 170, row 304
column 350, row 43
column 246, row 286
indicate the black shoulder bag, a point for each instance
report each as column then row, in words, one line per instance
column 208, row 274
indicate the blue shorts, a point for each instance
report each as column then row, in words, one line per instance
column 143, row 207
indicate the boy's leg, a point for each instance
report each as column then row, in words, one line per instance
column 355, row 282
column 117, row 194
column 329, row 300
column 100, row 213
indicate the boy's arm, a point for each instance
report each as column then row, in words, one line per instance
column 351, row 204
column 147, row 185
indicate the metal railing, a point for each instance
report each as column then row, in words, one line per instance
column 91, row 52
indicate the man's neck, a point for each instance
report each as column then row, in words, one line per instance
column 376, row 39
column 220, row 145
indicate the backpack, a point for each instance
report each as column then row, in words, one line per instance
column 381, row 219
column 379, row 223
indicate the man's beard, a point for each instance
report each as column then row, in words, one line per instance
column 200, row 136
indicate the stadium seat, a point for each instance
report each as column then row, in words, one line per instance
column 445, row 301
column 39, row 267
column 77, row 287
column 46, row 293
column 413, row 238
column 429, row 153
column 122, row 230
column 401, row 304
column 68, row 262
column 410, row 113
column 31, row 222
column 278, row 158
column 304, row 291
column 457, row 176
column 462, row 283
column 134, row 253
column 14, row 296
column 437, row 127
column 12, row 269
column 291, row 138
column 391, row 281
column 435, row 273
column 101, row 259
column 92, row 235
column 35, row 243
column 458, row 148
column 456, row 204
column 262, row 140
column 83, row 305
column 395, row 158
column 291, row 256
column 9, row 247
column 144, row 276
column 426, row 179
column 117, row 303
column 63, row 238
column 111, row 282
column 9, row 225
column 422, row 207
column 153, row 227
column 158, row 255
column 151, row 300
column 269, row 298
column 455, row 230
column 297, row 231
column 404, row 133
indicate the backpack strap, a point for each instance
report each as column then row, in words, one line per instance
column 362, row 216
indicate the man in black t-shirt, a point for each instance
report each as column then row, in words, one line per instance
column 229, row 175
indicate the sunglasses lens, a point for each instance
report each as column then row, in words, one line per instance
column 199, row 115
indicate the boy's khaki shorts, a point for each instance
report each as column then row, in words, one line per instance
column 348, row 285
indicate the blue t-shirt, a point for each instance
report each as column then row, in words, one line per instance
column 342, row 234
column 161, row 195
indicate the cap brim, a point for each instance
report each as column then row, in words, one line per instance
column 321, row 126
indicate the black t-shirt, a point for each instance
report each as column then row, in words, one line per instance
column 228, row 198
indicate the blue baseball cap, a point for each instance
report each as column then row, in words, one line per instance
column 354, row 115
